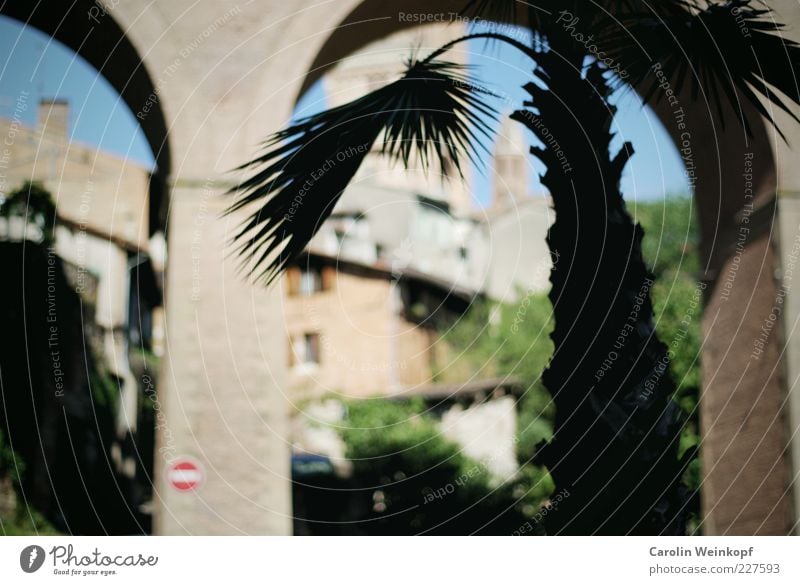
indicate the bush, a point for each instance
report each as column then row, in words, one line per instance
column 34, row 203
column 16, row 520
column 409, row 479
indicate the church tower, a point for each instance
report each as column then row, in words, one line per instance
column 511, row 172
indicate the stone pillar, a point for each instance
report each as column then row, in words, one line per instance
column 789, row 249
column 788, row 230
column 745, row 474
column 220, row 393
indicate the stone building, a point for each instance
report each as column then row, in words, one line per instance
column 515, row 223
column 358, row 330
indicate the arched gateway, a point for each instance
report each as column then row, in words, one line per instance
column 208, row 80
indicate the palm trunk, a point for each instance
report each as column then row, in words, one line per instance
column 614, row 453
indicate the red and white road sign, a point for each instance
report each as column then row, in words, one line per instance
column 185, row 474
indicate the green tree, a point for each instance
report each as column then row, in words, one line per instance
column 409, row 479
column 616, row 442
column 506, row 340
column 15, row 519
column 35, row 204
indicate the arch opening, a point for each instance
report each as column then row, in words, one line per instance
column 91, row 161
column 712, row 171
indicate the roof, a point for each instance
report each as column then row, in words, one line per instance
column 380, row 270
column 537, row 202
column 476, row 389
column 54, row 101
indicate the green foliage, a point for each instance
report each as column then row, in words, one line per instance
column 27, row 523
column 15, row 520
column 10, row 465
column 671, row 237
column 512, row 339
column 400, row 436
column 144, row 359
column 677, row 306
column 535, row 414
column 496, row 339
column 670, row 247
column 412, row 480
column 105, row 390
column 33, row 202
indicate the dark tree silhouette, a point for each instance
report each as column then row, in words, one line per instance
column 57, row 401
column 615, row 447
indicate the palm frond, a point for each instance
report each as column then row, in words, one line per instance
column 434, row 112
column 728, row 51
column 545, row 16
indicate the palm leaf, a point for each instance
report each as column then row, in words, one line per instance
column 728, row 51
column 434, row 111
column 542, row 16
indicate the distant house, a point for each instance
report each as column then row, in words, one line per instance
column 361, row 330
column 516, row 222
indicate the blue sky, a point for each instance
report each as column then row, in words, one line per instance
column 46, row 69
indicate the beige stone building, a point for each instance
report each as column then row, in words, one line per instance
column 358, row 331
column 97, row 190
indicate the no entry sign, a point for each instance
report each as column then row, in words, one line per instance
column 185, row 474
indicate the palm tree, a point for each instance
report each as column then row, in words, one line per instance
column 615, row 448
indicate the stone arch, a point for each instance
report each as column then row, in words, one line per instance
column 756, row 499
column 90, row 30
column 371, row 20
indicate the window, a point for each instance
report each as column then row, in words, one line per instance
column 311, row 348
column 310, row 281
column 305, row 350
